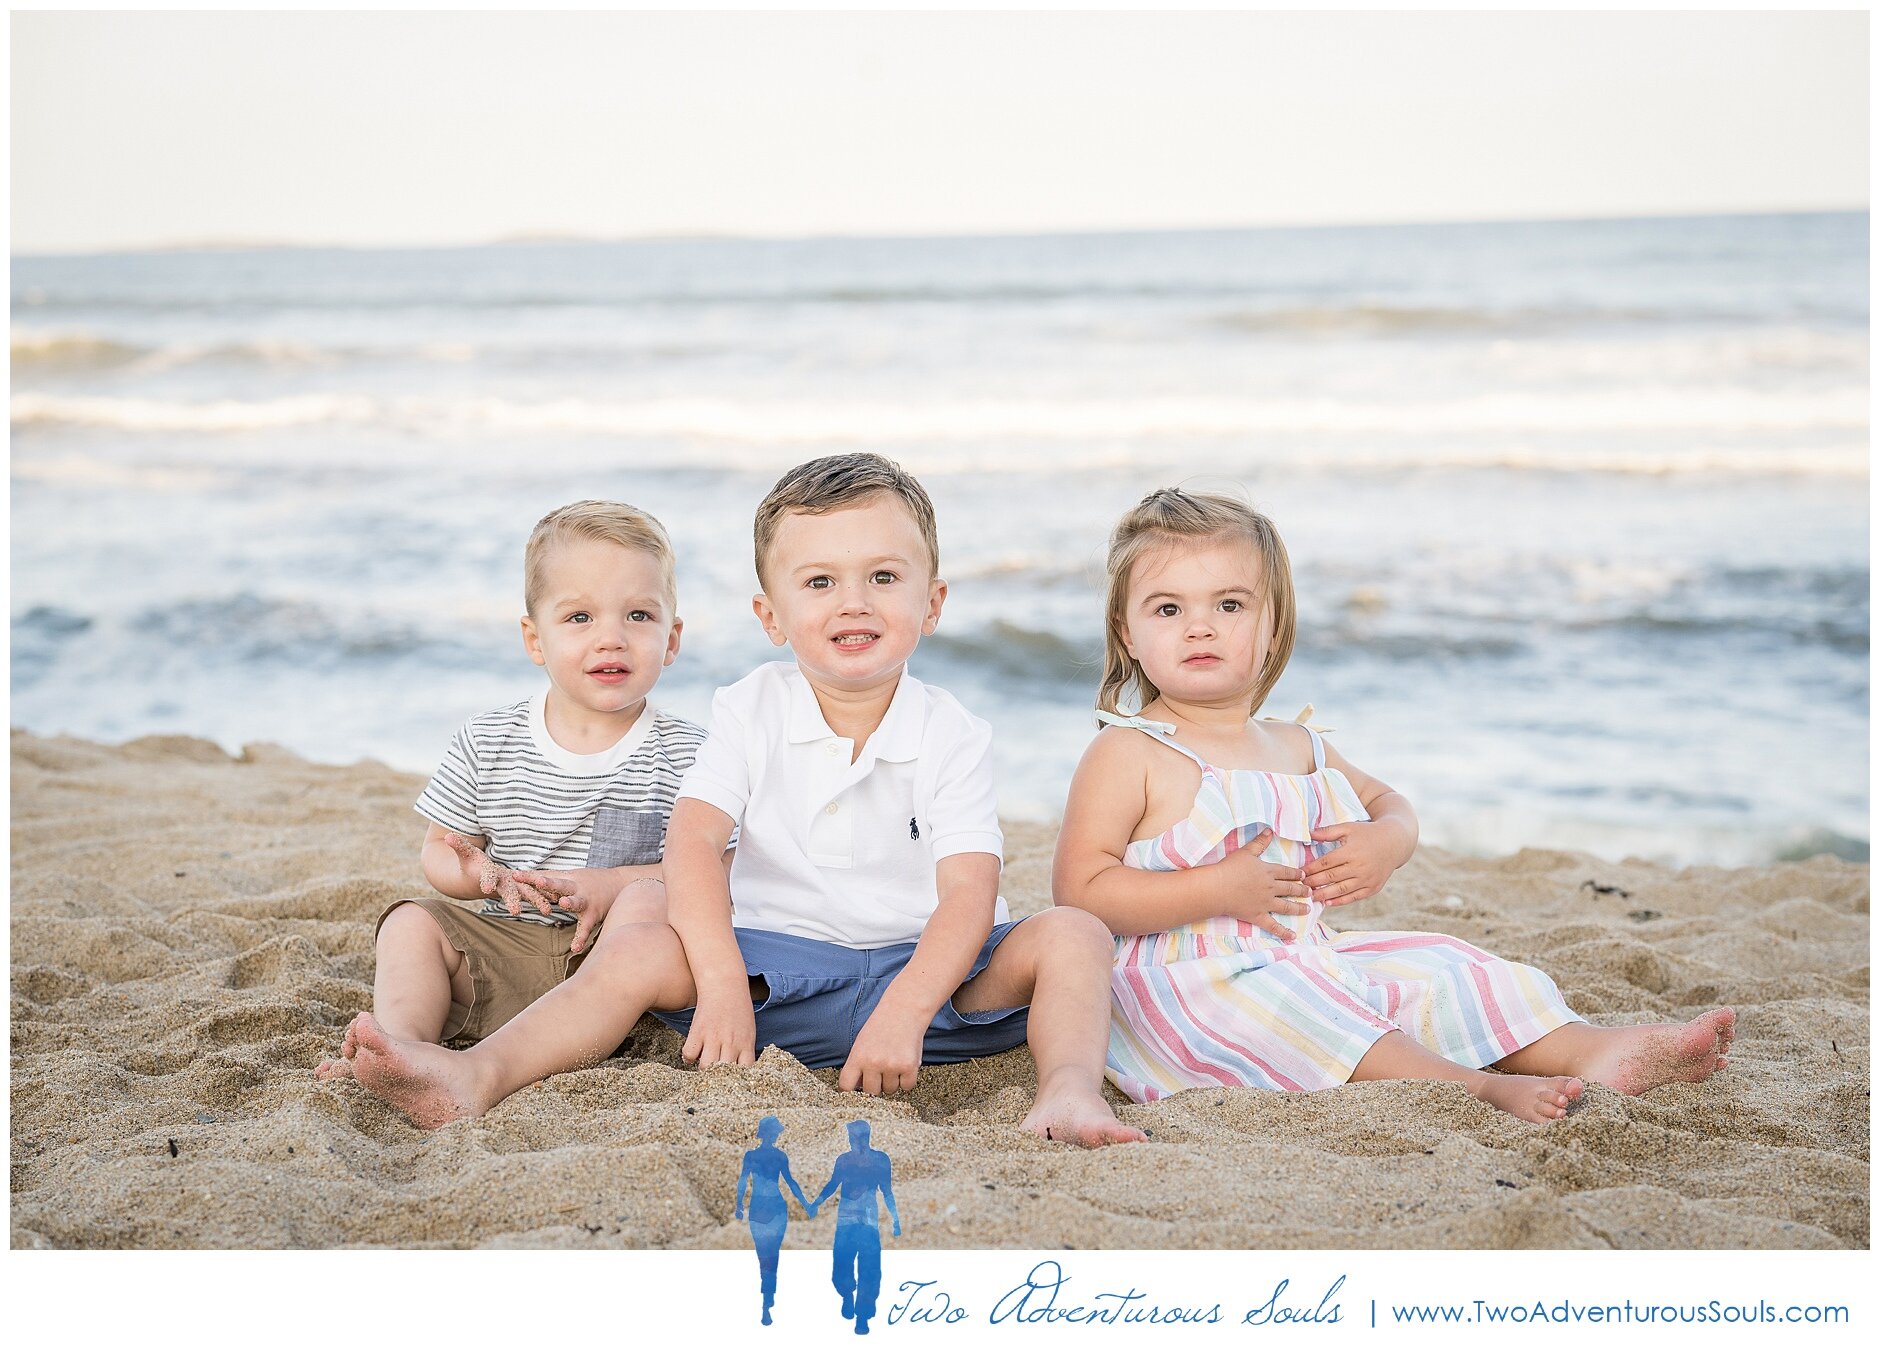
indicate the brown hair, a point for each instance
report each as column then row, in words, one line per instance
column 607, row 521
column 825, row 484
column 1162, row 519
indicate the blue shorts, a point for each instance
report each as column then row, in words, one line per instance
column 821, row 995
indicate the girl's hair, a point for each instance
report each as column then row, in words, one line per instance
column 1163, row 519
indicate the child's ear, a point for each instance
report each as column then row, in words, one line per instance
column 1122, row 633
column 531, row 643
column 936, row 596
column 760, row 606
column 672, row 642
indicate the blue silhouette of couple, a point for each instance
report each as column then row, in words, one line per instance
column 860, row 1174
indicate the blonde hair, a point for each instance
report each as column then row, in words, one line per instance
column 607, row 522
column 1163, row 519
column 825, row 484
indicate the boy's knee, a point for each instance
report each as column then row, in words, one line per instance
column 644, row 960
column 646, row 955
column 408, row 927
column 630, row 940
column 1070, row 929
column 641, row 902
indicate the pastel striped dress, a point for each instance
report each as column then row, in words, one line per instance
column 1224, row 1002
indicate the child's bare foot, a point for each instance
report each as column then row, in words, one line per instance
column 1640, row 1057
column 1539, row 1100
column 1070, row 1112
column 429, row 1085
column 342, row 1065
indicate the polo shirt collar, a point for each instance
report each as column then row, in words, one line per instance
column 898, row 736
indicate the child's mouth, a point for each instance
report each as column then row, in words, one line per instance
column 855, row 642
column 609, row 675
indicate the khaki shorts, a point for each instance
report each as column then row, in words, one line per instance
column 511, row 963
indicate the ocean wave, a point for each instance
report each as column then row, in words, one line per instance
column 37, row 636
column 100, row 474
column 1614, row 830
column 1225, row 303
column 1842, row 635
column 1018, row 653
column 1326, row 643
column 80, row 351
column 248, row 353
column 1824, row 841
column 50, row 621
column 1014, row 652
column 276, row 631
column 72, row 351
column 1102, row 422
column 1821, row 585
column 594, row 293
column 195, row 417
column 83, row 351
column 1367, row 318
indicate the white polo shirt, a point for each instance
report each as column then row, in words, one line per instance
column 836, row 849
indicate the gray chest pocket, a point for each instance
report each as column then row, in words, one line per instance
column 623, row 837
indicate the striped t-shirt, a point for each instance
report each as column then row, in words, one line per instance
column 541, row 807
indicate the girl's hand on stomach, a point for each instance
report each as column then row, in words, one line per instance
column 1255, row 890
column 1357, row 867
column 1368, row 853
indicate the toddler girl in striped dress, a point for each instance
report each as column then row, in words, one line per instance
column 1212, row 845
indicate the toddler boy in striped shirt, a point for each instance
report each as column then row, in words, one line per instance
column 548, row 816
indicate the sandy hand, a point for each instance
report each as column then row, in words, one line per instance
column 722, row 1032
column 567, row 893
column 885, row 1058
column 493, row 880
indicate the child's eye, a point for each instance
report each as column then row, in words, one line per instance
column 1232, row 606
column 819, row 583
column 640, row 616
column 884, row 578
column 579, row 616
column 1167, row 611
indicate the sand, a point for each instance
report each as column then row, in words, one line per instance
column 191, row 932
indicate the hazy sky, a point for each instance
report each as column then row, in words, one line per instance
column 140, row 128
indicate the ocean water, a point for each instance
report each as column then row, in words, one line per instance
column 1578, row 511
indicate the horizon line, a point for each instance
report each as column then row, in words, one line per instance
column 234, row 245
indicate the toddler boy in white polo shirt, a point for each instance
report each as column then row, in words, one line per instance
column 859, row 922
column 842, row 857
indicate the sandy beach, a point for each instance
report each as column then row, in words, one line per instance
column 191, row 932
